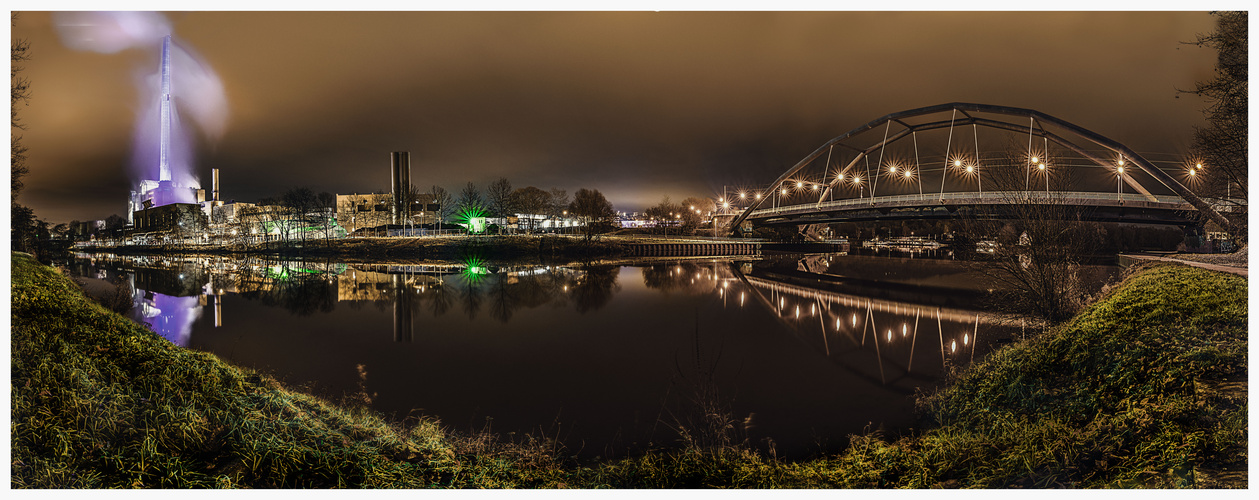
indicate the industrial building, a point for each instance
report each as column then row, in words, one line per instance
column 174, row 204
column 358, row 211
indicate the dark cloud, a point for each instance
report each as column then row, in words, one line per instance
column 638, row 105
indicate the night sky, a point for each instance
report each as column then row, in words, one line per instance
column 636, row 104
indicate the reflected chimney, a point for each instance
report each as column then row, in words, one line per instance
column 403, row 327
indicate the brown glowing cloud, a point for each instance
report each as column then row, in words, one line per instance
column 638, row 105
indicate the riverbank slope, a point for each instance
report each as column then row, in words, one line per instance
column 1144, row 388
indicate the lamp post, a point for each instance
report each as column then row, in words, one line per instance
column 1119, row 182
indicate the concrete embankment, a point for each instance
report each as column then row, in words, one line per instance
column 494, row 247
column 691, row 249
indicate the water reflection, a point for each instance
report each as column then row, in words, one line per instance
column 845, row 316
column 812, row 345
column 847, row 319
column 168, row 316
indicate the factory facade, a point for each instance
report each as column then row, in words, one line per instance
column 369, row 213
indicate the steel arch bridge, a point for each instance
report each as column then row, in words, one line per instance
column 965, row 165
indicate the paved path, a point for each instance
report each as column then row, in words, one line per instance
column 1241, row 271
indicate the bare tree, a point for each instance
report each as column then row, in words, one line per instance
column 558, row 204
column 693, row 211
column 326, row 210
column 22, row 228
column 1221, row 170
column 1221, row 145
column 500, row 202
column 470, row 199
column 532, row 202
column 445, row 203
column 666, row 211
column 1040, row 240
column 594, row 211
column 301, row 204
column 20, row 92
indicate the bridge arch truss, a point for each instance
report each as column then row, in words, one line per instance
column 1036, row 126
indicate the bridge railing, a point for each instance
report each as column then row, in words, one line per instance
column 991, row 197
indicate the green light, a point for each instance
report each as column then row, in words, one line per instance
column 283, row 273
column 475, row 269
column 473, row 218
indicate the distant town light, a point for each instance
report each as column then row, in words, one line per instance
column 799, row 184
column 893, row 169
column 1035, row 159
column 1121, row 170
column 1199, row 165
column 840, row 177
column 969, row 169
column 1041, row 166
column 743, row 195
column 957, row 163
column 784, row 192
column 908, row 174
column 815, row 186
column 758, row 196
column 1192, row 172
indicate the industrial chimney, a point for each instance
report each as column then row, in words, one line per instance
column 214, row 196
column 401, row 177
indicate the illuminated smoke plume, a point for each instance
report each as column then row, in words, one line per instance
column 195, row 89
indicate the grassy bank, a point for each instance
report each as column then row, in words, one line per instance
column 101, row 402
column 1144, row 388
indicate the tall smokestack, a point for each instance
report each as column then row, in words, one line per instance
column 400, row 162
column 214, row 196
column 164, row 154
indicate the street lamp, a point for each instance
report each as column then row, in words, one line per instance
column 1119, row 182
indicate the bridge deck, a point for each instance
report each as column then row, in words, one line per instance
column 836, row 208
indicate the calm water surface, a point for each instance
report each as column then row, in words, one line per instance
column 800, row 350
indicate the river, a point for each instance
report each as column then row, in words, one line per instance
column 793, row 353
